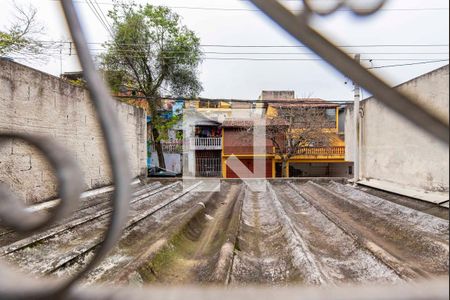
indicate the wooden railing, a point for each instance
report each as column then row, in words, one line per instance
column 318, row 151
column 213, row 143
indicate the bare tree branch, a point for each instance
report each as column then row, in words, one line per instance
column 295, row 128
column 21, row 37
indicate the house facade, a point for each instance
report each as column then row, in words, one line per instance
column 203, row 137
column 311, row 161
column 314, row 160
column 237, row 145
column 212, row 138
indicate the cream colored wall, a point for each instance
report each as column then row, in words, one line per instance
column 37, row 103
column 396, row 151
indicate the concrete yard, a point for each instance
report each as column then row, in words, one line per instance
column 296, row 232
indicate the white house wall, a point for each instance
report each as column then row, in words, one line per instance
column 394, row 150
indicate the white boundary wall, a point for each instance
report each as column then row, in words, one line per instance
column 38, row 103
column 397, row 152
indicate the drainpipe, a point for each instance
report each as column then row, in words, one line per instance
column 357, row 122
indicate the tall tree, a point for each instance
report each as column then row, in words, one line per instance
column 152, row 53
column 20, row 37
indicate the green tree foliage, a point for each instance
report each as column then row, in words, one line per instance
column 152, row 53
column 19, row 38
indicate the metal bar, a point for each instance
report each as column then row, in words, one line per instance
column 70, row 179
column 357, row 125
column 299, row 28
column 113, row 139
column 16, row 287
column 208, row 166
column 207, row 143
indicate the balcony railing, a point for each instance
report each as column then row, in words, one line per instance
column 199, row 143
column 338, row 152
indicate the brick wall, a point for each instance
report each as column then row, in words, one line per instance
column 38, row 103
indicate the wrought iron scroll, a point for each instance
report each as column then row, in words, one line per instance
column 298, row 26
column 14, row 215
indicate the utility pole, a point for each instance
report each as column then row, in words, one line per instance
column 357, row 122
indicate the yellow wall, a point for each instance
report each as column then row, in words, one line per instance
column 222, row 104
column 273, row 112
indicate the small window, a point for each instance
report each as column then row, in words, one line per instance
column 350, row 170
column 331, row 116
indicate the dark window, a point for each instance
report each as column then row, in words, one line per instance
column 331, row 117
column 278, row 170
column 209, row 104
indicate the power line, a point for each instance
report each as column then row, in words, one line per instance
column 282, row 56
column 279, row 59
column 257, row 10
column 136, row 51
column 104, row 17
column 255, row 56
column 97, row 14
column 342, row 46
column 224, row 9
column 291, row 53
column 130, row 51
column 410, row 64
column 268, row 46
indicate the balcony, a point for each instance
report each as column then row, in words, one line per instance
column 213, row 143
column 326, row 153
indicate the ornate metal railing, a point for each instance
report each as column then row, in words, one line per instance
column 336, row 152
column 208, row 167
column 14, row 215
column 198, row 143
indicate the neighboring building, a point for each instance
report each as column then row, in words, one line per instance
column 212, row 134
column 211, row 110
column 313, row 162
column 277, row 95
column 395, row 155
column 234, row 144
column 203, row 137
column 207, row 144
column 317, row 161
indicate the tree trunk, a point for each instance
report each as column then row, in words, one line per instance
column 159, row 149
column 283, row 168
column 155, row 133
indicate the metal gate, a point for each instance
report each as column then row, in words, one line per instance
column 208, row 167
